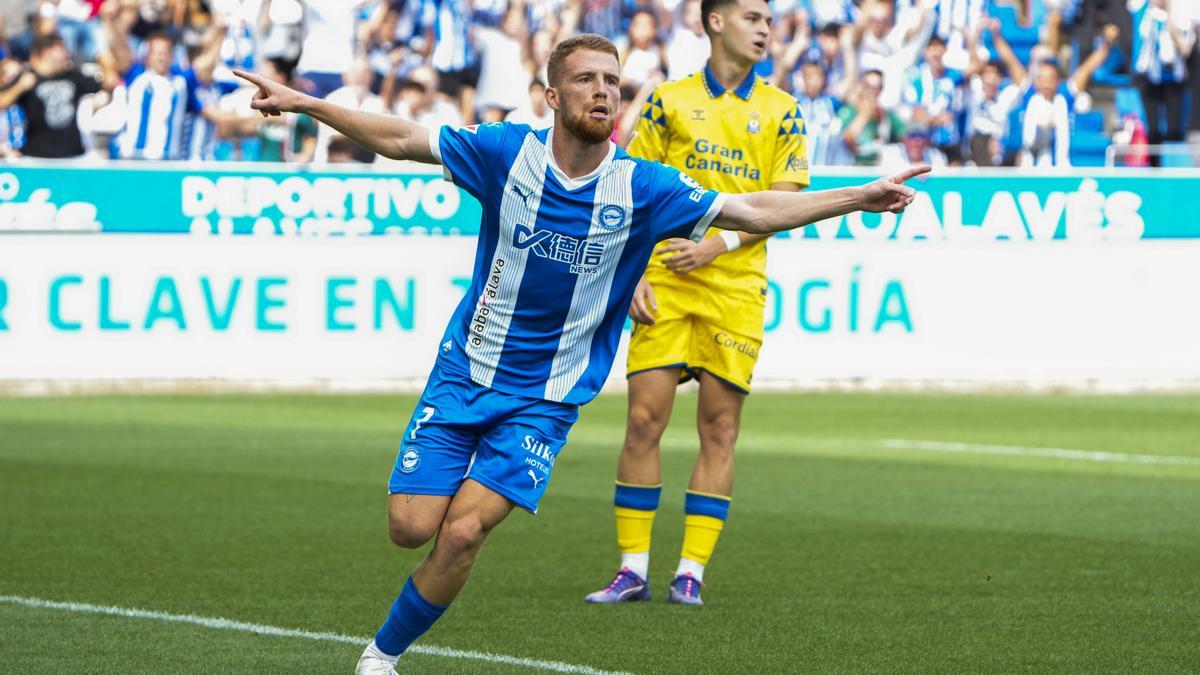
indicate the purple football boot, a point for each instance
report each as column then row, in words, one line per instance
column 685, row 590
column 627, row 586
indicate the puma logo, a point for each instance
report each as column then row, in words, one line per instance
column 536, row 480
column 523, row 195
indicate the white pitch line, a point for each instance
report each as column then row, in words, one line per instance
column 276, row 631
column 1020, row 451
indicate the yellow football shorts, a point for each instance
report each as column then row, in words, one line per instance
column 699, row 329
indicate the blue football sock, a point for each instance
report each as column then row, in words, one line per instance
column 410, row 617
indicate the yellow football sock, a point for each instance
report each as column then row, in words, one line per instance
column 700, row 535
column 633, row 529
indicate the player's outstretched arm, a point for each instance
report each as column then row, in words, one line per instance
column 772, row 211
column 390, row 136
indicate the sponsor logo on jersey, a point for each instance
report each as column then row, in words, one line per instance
column 539, row 455
column 491, row 290
column 717, row 158
column 740, row 346
column 580, row 255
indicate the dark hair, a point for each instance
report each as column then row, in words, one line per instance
column 832, row 30
column 42, row 43
column 709, row 6
column 284, row 67
column 587, row 41
column 814, row 63
column 536, row 82
column 341, row 145
column 160, row 35
column 643, row 10
column 998, row 66
column 935, row 39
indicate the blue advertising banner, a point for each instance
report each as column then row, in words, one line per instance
column 140, row 197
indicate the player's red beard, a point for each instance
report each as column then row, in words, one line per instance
column 589, row 130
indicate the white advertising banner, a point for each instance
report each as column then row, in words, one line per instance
column 369, row 311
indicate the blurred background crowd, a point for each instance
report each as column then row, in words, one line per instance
column 881, row 82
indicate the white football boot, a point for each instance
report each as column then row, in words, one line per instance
column 374, row 662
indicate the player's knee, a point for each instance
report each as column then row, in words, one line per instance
column 411, row 528
column 646, row 424
column 409, row 533
column 719, row 432
column 461, row 536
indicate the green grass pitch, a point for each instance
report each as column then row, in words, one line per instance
column 841, row 553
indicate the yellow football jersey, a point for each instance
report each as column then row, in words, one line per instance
column 730, row 141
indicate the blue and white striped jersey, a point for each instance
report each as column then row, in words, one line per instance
column 198, row 134
column 156, row 109
column 558, row 259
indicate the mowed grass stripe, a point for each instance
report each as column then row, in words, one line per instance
column 1054, row 453
column 840, row 554
column 276, row 631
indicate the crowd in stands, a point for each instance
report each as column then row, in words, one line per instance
column 881, row 82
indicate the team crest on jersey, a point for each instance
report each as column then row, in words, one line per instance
column 754, row 126
column 612, row 217
column 410, row 460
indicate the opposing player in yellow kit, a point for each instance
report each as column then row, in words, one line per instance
column 699, row 307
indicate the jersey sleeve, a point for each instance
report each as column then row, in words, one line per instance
column 651, row 133
column 791, row 150
column 678, row 206
column 469, row 155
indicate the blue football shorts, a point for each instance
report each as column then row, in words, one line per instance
column 461, row 430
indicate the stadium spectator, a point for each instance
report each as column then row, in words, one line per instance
column 956, row 19
column 12, row 118
column 603, row 17
column 285, row 138
column 687, row 47
column 1050, row 102
column 916, row 148
column 1194, row 70
column 156, row 89
column 821, row 121
column 453, row 55
column 888, row 47
column 641, row 52
column 503, row 77
column 867, row 125
column 832, row 12
column 535, row 113
column 342, row 150
column 416, row 100
column 512, row 40
column 49, row 94
column 1163, row 40
column 990, row 100
column 541, row 44
column 933, row 99
column 355, row 94
column 281, row 29
column 328, row 47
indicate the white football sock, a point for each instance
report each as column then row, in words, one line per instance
column 689, row 566
column 638, row 563
column 374, row 651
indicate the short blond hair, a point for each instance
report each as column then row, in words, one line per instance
column 588, row 41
